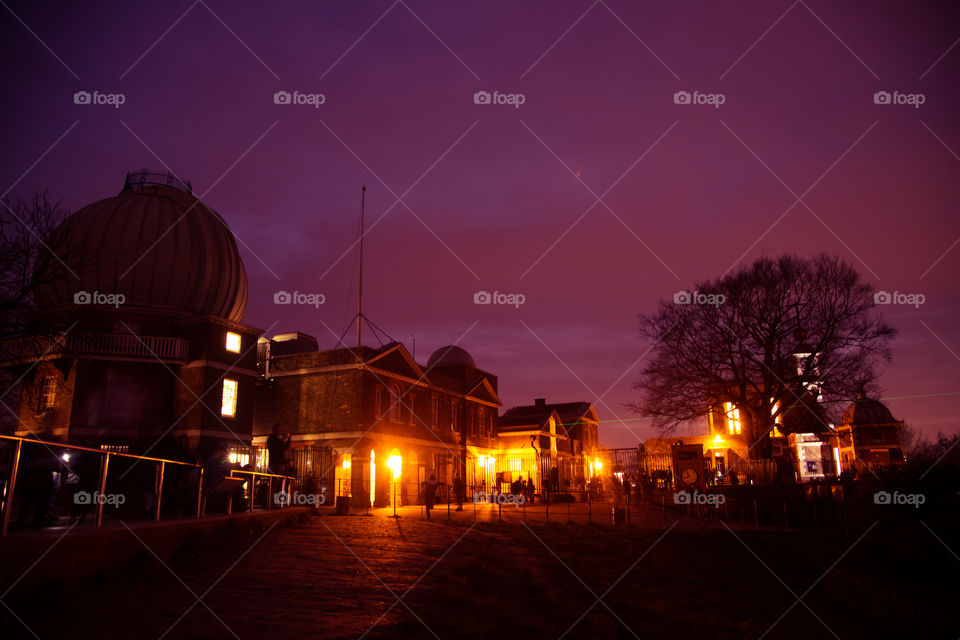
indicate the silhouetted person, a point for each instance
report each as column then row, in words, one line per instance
column 83, row 478
column 429, row 493
column 35, row 484
column 277, row 445
column 459, row 488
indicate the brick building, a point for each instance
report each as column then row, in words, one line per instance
column 552, row 443
column 365, row 405
column 868, row 434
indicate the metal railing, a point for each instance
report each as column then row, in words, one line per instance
column 148, row 178
column 41, row 468
column 98, row 344
column 120, row 344
column 286, row 485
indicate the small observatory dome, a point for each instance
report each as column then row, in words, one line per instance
column 866, row 411
column 451, row 356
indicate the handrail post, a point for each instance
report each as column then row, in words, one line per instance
column 104, row 467
column 200, row 497
column 159, row 497
column 11, row 486
column 269, row 493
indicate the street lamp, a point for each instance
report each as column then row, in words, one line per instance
column 395, row 463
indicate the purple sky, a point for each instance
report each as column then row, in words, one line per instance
column 499, row 198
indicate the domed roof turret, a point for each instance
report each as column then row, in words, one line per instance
column 866, row 411
column 155, row 243
column 450, row 356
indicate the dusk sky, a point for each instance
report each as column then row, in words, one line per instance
column 596, row 197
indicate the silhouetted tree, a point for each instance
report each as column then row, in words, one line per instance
column 29, row 261
column 27, row 229
column 738, row 339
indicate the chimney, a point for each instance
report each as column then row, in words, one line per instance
column 540, row 403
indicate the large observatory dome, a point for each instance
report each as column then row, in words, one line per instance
column 155, row 243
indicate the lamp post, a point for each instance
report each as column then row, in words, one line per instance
column 395, row 463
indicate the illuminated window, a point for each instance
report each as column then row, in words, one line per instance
column 228, row 402
column 733, row 418
column 454, row 421
column 233, row 342
column 515, row 465
column 48, row 394
column 239, row 456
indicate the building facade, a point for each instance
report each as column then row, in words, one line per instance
column 366, row 406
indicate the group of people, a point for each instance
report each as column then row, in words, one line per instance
column 525, row 488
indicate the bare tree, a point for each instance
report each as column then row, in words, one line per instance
column 28, row 231
column 755, row 337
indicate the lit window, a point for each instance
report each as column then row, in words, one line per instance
column 228, row 402
column 515, row 465
column 733, row 418
column 454, row 411
column 239, row 456
column 233, row 342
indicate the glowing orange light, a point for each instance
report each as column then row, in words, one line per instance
column 395, row 463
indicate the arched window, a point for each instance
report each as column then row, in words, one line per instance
column 394, row 403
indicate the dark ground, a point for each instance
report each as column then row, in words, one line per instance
column 340, row 577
